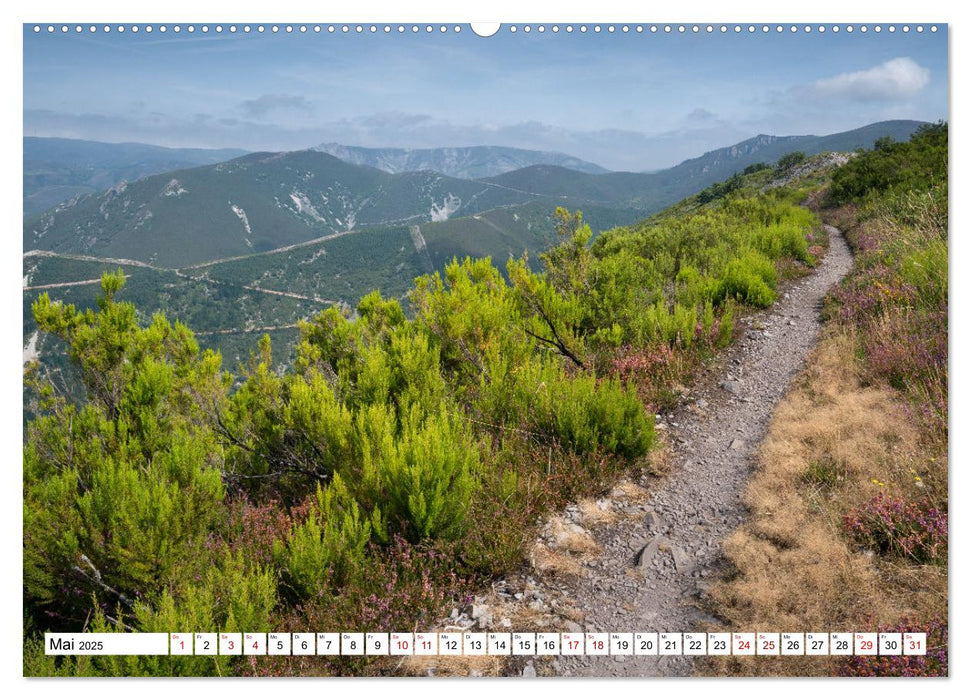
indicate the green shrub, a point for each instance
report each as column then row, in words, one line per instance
column 588, row 417
column 420, row 476
column 789, row 160
column 750, row 278
column 326, row 550
column 897, row 167
column 292, row 428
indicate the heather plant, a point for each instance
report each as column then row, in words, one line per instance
column 283, row 433
column 894, row 526
column 586, row 416
column 750, row 278
column 229, row 595
column 471, row 315
column 119, row 491
column 897, row 299
column 727, row 253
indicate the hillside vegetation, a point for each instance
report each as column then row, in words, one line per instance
column 399, row 461
column 850, row 502
column 55, row 170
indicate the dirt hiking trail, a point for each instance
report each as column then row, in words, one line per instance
column 653, row 571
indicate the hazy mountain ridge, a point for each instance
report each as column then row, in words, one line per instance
column 656, row 190
column 267, row 201
column 469, row 162
column 724, row 162
column 57, row 169
column 252, row 204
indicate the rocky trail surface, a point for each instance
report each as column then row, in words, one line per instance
column 651, row 571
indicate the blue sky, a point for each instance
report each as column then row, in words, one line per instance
column 634, row 101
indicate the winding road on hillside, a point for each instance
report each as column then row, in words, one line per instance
column 653, row 571
column 178, row 272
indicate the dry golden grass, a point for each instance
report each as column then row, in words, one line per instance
column 660, row 461
column 553, row 563
column 592, row 513
column 450, row 666
column 570, row 538
column 629, row 492
column 794, row 570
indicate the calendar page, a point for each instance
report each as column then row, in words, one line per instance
column 536, row 349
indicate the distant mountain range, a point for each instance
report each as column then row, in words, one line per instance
column 253, row 204
column 656, row 190
column 471, row 162
column 248, row 246
column 266, row 201
column 722, row 163
column 56, row 170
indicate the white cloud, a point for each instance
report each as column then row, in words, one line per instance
column 898, row 78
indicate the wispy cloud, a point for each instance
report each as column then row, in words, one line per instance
column 262, row 106
column 699, row 114
column 896, row 79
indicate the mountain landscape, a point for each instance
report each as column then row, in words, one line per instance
column 253, row 204
column 57, row 169
column 255, row 243
column 389, row 415
column 573, row 350
column 654, row 191
column 471, row 162
column 264, row 201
